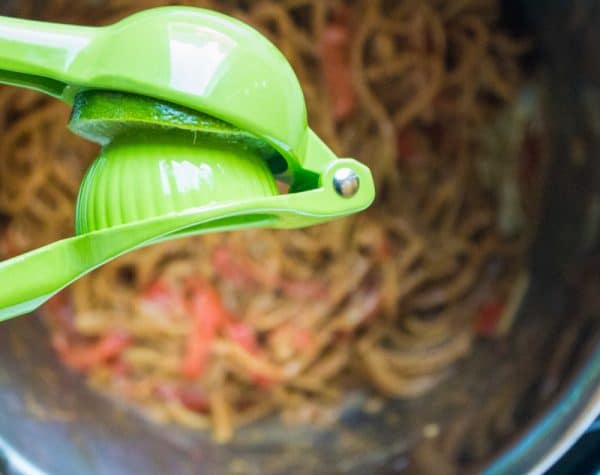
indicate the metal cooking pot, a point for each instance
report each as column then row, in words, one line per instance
column 514, row 404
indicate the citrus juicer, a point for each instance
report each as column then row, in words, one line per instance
column 198, row 115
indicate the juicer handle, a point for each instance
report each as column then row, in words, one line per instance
column 30, row 279
column 37, row 55
column 191, row 57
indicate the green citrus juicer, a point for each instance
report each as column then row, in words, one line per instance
column 198, row 115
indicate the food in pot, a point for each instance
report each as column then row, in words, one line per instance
column 221, row 330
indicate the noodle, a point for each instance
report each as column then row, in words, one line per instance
column 217, row 331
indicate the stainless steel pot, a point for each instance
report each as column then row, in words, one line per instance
column 514, row 405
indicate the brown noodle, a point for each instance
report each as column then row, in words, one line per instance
column 294, row 319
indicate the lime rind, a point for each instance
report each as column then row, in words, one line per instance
column 103, row 116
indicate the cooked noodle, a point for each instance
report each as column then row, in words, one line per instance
column 217, row 331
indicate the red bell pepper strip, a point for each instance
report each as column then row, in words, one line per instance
column 60, row 310
column 337, row 70
column 247, row 274
column 229, row 268
column 81, row 356
column 303, row 339
column 208, row 313
column 407, row 148
column 194, row 398
column 161, row 298
column 488, row 318
column 243, row 335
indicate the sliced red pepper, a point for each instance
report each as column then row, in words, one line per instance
column 85, row 356
column 166, row 391
column 337, row 70
column 263, row 381
column 302, row 290
column 488, row 317
column 195, row 399
column 243, row 335
column 158, row 292
column 303, row 339
column 292, row 337
column 60, row 309
column 227, row 267
column 161, row 298
column 407, row 148
column 206, row 308
column 531, row 157
column 10, row 246
column 120, row 367
column 246, row 274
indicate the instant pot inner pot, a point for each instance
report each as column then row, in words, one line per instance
column 51, row 421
